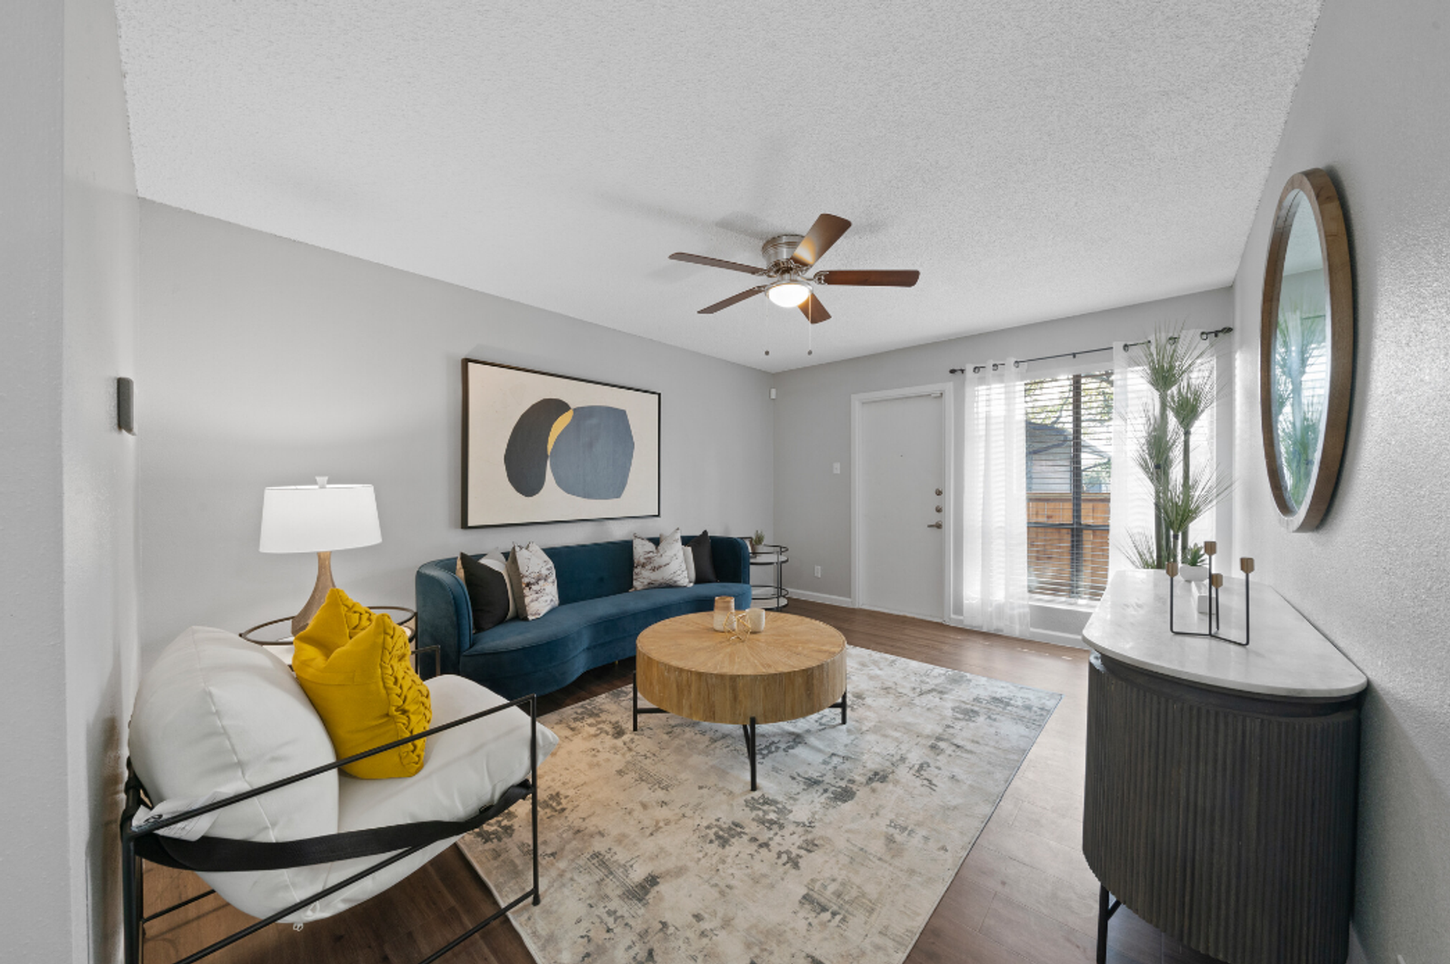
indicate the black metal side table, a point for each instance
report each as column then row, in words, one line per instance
column 772, row 595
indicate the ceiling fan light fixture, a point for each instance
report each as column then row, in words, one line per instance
column 789, row 294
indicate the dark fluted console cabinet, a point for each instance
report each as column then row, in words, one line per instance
column 1221, row 780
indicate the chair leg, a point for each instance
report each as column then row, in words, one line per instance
column 132, row 906
column 534, row 787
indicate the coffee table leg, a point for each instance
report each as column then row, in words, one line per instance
column 750, row 748
column 634, row 695
column 840, row 705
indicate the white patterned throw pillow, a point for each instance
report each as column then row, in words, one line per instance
column 532, row 574
column 662, row 565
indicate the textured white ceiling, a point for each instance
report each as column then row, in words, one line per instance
column 1032, row 159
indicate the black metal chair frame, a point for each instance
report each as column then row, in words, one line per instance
column 145, row 843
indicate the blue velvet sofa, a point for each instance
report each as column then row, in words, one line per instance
column 597, row 620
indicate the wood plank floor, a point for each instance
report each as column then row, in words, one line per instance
column 1023, row 895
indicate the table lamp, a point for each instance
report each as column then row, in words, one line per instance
column 318, row 518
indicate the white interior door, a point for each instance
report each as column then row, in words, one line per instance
column 901, row 509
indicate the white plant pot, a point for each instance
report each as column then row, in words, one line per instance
column 1194, row 573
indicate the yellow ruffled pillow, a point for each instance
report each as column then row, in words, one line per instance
column 354, row 666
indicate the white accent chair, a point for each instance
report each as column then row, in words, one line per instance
column 224, row 741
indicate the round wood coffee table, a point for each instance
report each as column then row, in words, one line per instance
column 795, row 668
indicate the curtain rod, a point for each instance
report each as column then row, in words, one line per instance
column 1203, row 336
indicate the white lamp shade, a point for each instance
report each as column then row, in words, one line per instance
column 313, row 518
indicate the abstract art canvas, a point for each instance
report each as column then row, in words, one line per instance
column 548, row 448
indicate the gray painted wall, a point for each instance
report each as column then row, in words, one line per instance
column 813, row 425
column 36, row 902
column 102, row 270
column 1370, row 109
column 267, row 362
column 68, row 269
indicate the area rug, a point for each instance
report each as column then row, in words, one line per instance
column 653, row 849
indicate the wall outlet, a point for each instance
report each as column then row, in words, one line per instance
column 818, row 575
column 835, row 468
column 772, row 393
column 1400, row 958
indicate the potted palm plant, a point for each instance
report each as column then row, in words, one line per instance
column 1182, row 391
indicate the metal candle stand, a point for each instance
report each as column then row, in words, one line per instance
column 1215, row 583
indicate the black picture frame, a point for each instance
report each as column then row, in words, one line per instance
column 469, row 442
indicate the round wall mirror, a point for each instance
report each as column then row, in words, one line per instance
column 1306, row 349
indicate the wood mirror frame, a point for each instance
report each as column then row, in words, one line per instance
column 1323, row 200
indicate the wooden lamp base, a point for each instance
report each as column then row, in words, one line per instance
column 319, row 593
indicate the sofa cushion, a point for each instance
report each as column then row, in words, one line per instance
column 466, row 768
column 519, row 649
column 214, row 712
column 594, row 570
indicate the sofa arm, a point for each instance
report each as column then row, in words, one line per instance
column 732, row 559
column 445, row 618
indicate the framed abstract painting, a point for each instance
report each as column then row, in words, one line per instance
column 548, row 448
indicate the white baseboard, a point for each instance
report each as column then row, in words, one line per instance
column 1356, row 949
column 1040, row 635
column 898, row 612
column 1059, row 639
column 820, row 597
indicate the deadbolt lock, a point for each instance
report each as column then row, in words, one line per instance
column 938, row 508
column 938, row 491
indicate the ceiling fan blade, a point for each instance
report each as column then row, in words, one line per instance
column 733, row 299
column 890, row 279
column 814, row 311
column 825, row 232
column 715, row 262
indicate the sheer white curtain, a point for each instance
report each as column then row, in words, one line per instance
column 1131, row 501
column 994, row 536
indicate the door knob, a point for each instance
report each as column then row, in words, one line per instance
column 934, row 525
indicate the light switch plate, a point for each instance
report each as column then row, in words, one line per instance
column 126, row 405
column 835, row 468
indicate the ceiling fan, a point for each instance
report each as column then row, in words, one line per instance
column 788, row 258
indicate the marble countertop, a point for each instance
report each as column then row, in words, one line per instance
column 1287, row 656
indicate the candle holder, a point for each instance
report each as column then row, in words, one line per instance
column 738, row 625
column 1215, row 583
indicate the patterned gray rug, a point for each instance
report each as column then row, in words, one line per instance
column 653, row 848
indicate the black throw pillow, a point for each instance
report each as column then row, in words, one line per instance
column 704, row 562
column 488, row 592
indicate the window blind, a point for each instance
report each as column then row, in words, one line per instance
column 1069, row 467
